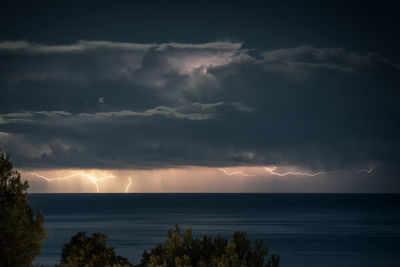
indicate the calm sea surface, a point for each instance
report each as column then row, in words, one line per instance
column 305, row 229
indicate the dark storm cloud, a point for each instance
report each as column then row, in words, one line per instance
column 93, row 60
column 212, row 104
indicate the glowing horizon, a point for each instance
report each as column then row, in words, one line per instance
column 182, row 179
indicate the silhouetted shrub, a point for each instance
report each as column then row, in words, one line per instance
column 90, row 252
column 182, row 250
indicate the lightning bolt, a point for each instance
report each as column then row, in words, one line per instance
column 129, row 184
column 272, row 171
column 91, row 178
column 371, row 169
column 236, row 172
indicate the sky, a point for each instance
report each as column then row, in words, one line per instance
column 258, row 96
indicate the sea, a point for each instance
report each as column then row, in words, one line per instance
column 313, row 230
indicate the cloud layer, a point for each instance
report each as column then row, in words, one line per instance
column 100, row 104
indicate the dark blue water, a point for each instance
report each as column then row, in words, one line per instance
column 305, row 229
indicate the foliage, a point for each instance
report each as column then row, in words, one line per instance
column 90, row 252
column 21, row 232
column 182, row 250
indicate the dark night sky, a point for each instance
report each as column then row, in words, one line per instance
column 123, row 85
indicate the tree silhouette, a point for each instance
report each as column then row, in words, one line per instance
column 182, row 250
column 21, row 232
column 90, row 251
